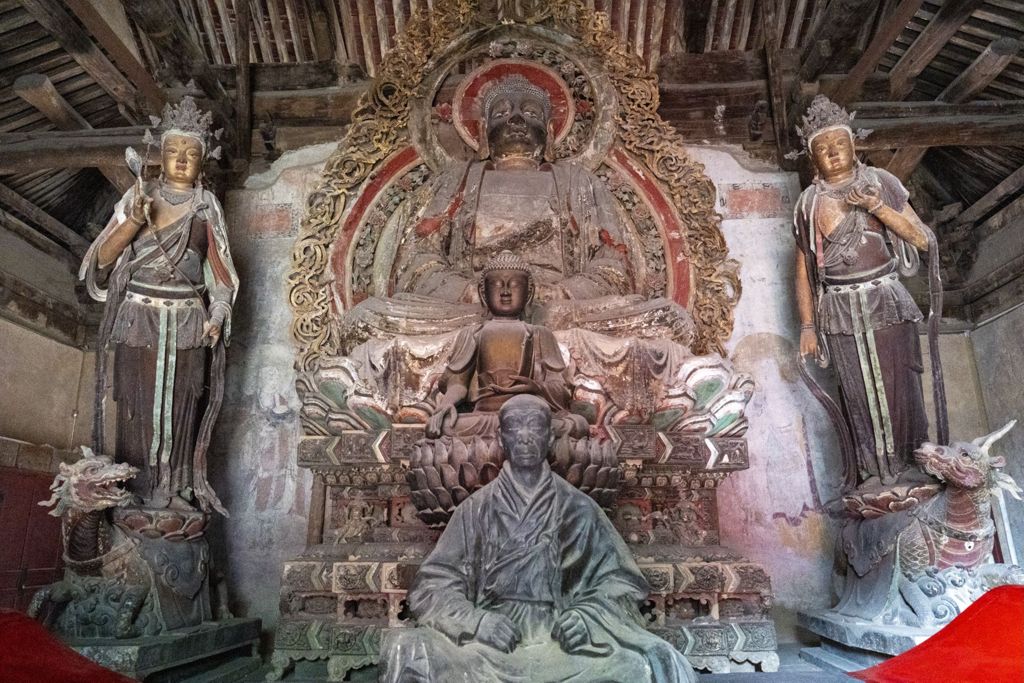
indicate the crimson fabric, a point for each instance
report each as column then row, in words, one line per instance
column 31, row 654
column 985, row 643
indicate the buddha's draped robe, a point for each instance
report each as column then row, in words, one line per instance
column 529, row 555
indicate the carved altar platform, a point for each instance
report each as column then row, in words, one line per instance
column 365, row 544
column 639, row 334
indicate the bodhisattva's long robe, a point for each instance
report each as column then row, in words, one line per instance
column 530, row 556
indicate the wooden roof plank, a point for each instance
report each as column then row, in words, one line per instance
column 66, row 31
column 46, row 223
column 931, row 40
column 112, row 39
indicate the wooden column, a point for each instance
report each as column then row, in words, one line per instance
column 776, row 86
column 243, row 81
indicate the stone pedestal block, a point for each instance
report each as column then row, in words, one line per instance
column 214, row 652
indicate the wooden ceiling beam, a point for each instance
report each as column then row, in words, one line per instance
column 37, row 90
column 34, row 237
column 27, row 152
column 111, row 38
column 170, row 37
column 833, row 33
column 46, row 224
column 982, row 71
column 942, row 131
column 65, row 30
column 892, row 27
column 978, row 210
column 895, row 110
column 946, row 22
column 975, row 78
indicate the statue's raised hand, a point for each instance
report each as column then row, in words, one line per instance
column 571, row 631
column 868, row 197
column 498, row 631
column 141, row 206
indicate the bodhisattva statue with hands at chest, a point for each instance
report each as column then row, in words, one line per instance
column 856, row 234
column 163, row 267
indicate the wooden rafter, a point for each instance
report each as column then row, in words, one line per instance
column 891, row 27
column 37, row 90
column 1008, row 187
column 169, row 35
column 46, row 224
column 65, row 30
column 929, row 43
column 834, row 31
column 969, row 83
column 111, row 38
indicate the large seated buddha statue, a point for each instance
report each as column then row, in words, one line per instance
column 556, row 215
column 561, row 220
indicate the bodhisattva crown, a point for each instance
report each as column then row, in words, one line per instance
column 186, row 118
column 824, row 114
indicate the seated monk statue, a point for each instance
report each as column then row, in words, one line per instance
column 502, row 357
column 557, row 215
column 529, row 582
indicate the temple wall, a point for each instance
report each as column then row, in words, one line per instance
column 772, row 512
column 47, row 389
column 253, row 461
column 997, row 350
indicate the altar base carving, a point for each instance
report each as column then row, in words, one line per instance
column 366, row 542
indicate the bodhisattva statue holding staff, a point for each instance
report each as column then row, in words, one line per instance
column 856, row 235
column 163, row 267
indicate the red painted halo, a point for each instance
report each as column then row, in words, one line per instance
column 468, row 100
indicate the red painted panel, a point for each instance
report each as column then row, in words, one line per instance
column 29, row 537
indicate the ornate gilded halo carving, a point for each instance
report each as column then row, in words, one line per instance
column 396, row 114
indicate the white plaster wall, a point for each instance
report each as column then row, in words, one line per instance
column 253, row 457
column 45, row 389
column 1000, row 362
column 772, row 512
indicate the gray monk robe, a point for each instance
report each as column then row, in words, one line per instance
column 529, row 556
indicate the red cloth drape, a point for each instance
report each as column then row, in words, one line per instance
column 31, row 654
column 985, row 644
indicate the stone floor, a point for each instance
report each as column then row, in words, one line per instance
column 792, row 669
